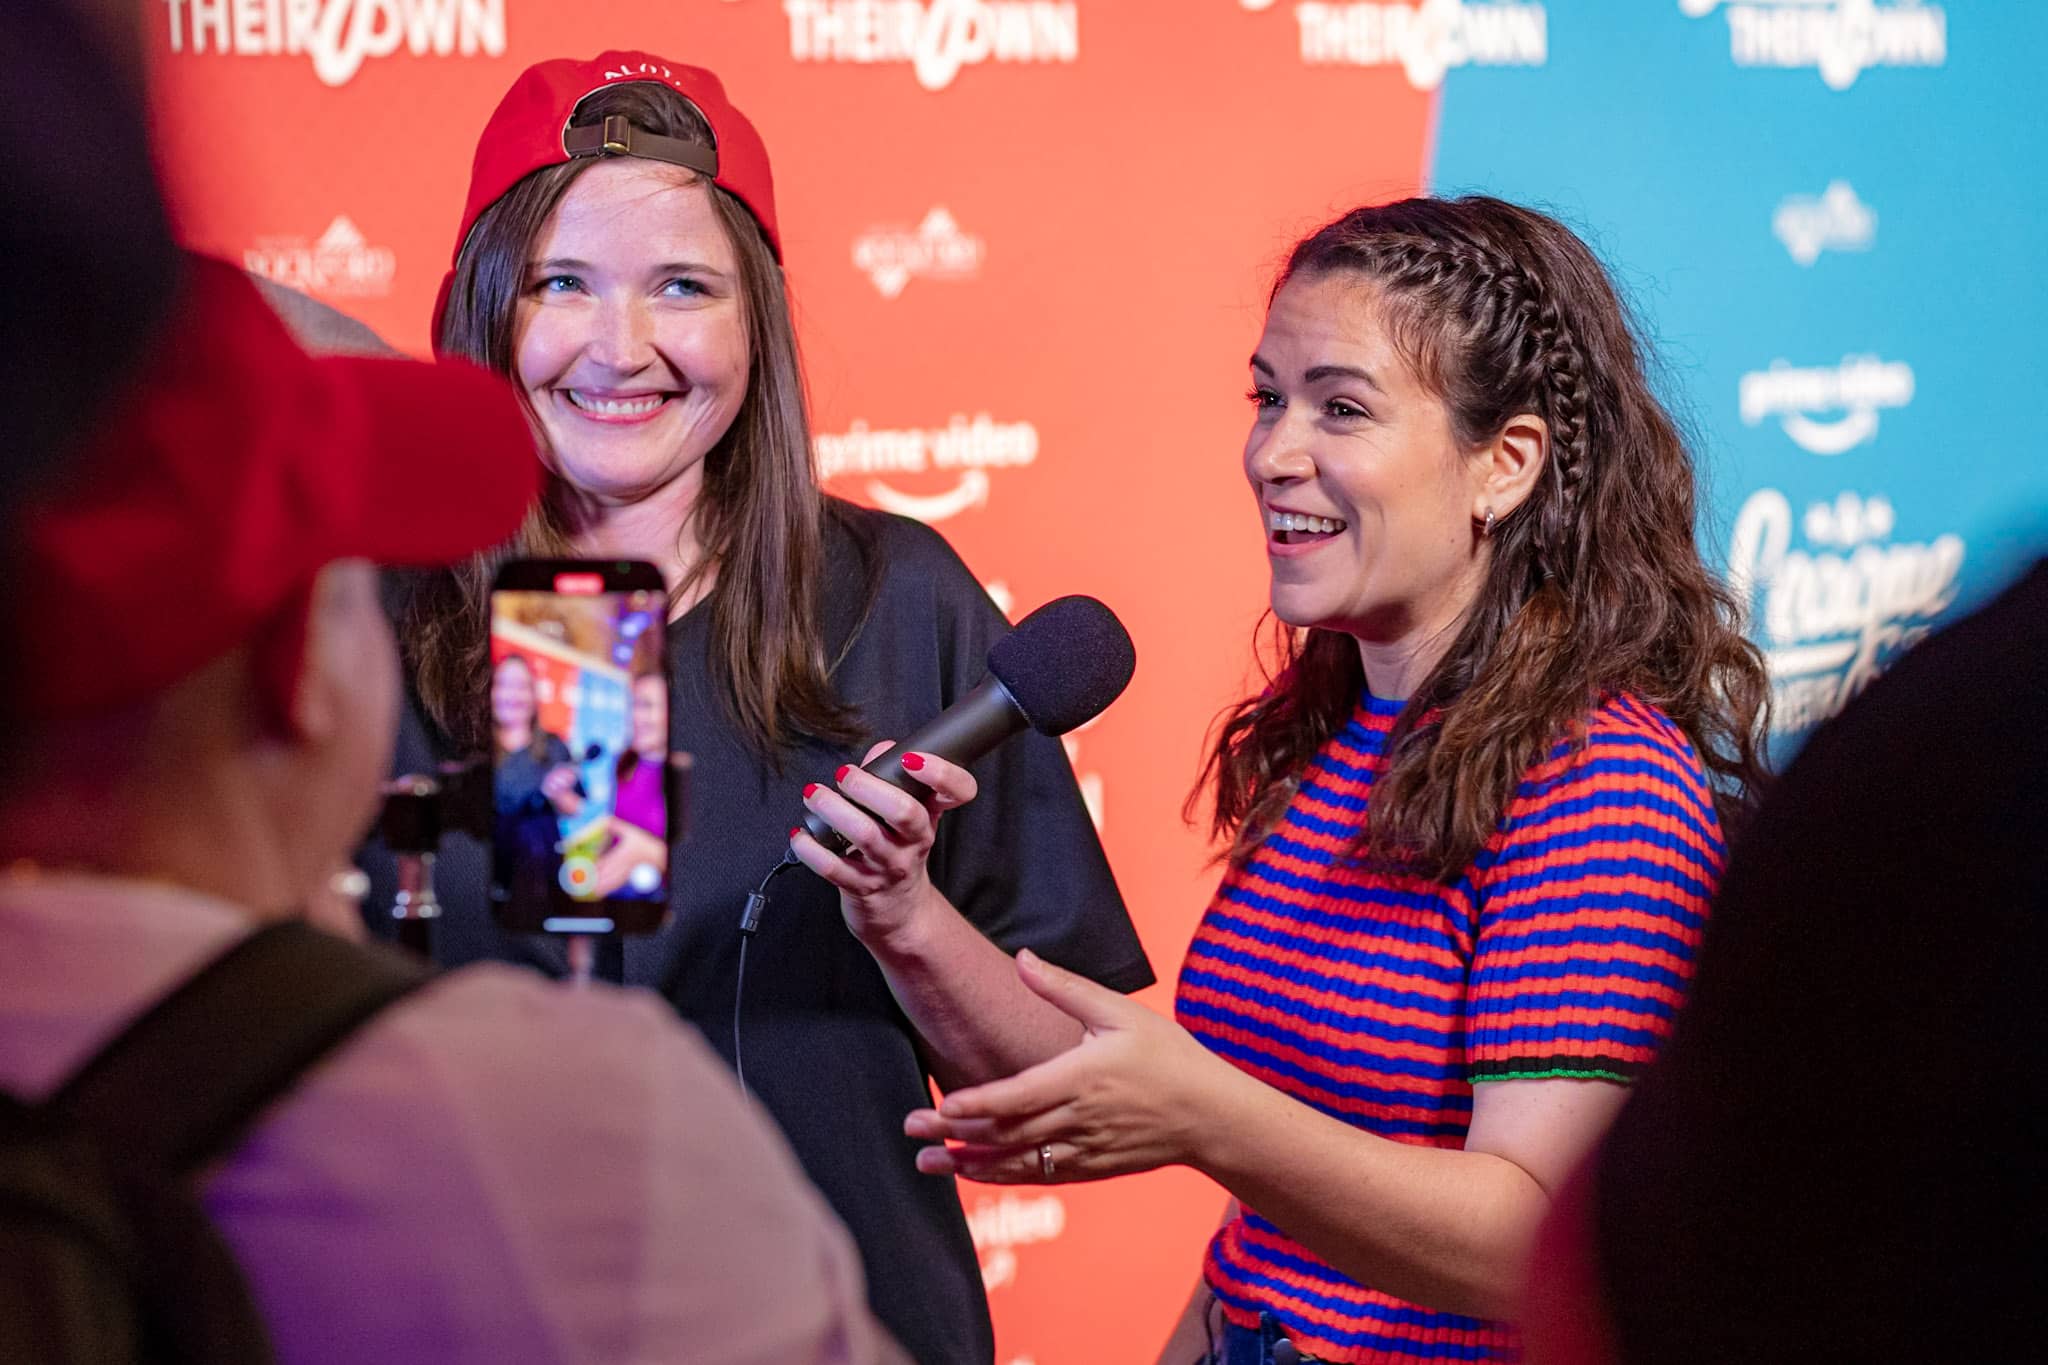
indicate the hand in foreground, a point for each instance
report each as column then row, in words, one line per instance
column 1131, row 1095
column 632, row 848
column 883, row 880
column 559, row 787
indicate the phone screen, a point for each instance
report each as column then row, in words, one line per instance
column 579, row 762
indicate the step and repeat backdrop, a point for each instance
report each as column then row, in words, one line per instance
column 1029, row 241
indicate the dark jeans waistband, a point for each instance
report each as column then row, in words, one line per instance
column 1266, row 1344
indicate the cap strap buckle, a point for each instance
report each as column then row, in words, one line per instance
column 616, row 136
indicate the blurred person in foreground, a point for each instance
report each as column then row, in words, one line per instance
column 494, row 1168
column 86, row 236
column 1475, row 819
column 1837, row 1158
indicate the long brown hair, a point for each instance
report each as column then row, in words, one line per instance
column 1594, row 586
column 760, row 519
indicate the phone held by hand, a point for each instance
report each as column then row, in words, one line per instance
column 580, row 824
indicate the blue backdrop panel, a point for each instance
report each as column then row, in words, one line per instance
column 1827, row 215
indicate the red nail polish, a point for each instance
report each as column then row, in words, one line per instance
column 844, row 769
column 913, row 763
column 809, row 787
column 795, row 830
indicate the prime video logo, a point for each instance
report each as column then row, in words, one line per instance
column 1839, row 38
column 1834, row 220
column 967, row 447
column 1857, row 389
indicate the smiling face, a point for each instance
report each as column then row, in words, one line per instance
column 1367, row 501
column 632, row 342
column 513, row 703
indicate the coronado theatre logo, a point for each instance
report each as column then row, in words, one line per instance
column 935, row 38
column 337, row 35
column 1426, row 41
column 1833, row 220
column 1841, row 39
column 897, row 463
column 936, row 249
column 340, row 263
column 1833, row 614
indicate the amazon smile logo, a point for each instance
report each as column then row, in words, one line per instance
column 965, row 450
column 1829, row 409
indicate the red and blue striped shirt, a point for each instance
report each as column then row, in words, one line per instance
column 1379, row 998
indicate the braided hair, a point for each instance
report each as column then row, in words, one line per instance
column 1594, row 587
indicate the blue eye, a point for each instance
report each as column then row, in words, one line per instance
column 683, row 286
column 558, row 284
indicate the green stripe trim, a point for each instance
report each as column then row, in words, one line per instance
column 1551, row 1074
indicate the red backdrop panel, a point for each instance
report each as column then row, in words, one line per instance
column 1028, row 269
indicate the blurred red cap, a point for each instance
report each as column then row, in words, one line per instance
column 228, row 474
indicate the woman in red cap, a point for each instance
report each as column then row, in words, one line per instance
column 620, row 261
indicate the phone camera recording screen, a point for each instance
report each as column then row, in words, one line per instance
column 579, row 718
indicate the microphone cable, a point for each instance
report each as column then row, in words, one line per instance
column 750, row 920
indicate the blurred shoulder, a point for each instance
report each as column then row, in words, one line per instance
column 506, row 1028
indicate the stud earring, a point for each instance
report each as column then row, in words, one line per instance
column 1486, row 526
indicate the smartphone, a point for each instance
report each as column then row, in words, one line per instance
column 580, row 822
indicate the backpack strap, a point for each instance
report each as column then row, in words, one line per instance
column 177, row 1088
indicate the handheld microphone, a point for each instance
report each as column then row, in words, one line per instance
column 1061, row 667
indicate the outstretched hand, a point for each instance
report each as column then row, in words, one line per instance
column 1137, row 1092
column 883, row 879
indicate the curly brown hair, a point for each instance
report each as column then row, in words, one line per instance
column 1595, row 586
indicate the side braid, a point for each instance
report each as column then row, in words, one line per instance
column 1506, row 308
column 1593, row 586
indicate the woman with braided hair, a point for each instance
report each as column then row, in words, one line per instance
column 1474, row 820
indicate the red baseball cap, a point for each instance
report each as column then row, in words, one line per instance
column 530, row 130
column 228, row 474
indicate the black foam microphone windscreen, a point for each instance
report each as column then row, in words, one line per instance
column 1061, row 667
column 1064, row 663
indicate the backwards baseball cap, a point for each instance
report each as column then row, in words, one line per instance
column 530, row 130
column 228, row 474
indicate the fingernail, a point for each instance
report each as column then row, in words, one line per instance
column 809, row 787
column 914, row 762
column 794, row 831
column 844, row 769
column 1027, row 958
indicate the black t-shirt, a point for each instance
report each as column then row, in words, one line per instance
column 826, row 1048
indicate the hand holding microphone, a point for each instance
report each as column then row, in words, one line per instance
column 1062, row 666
